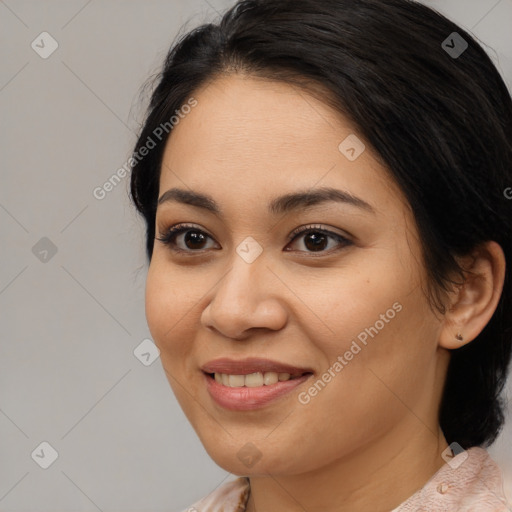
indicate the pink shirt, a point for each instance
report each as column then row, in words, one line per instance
column 470, row 482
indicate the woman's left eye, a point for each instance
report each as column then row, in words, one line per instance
column 315, row 238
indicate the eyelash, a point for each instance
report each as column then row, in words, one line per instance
column 169, row 236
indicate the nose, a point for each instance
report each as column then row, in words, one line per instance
column 247, row 297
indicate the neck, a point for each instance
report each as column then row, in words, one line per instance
column 375, row 478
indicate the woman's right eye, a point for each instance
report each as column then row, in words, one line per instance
column 194, row 238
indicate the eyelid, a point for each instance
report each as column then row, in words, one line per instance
column 318, row 227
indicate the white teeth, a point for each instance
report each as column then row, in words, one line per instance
column 252, row 380
column 236, row 381
column 270, row 378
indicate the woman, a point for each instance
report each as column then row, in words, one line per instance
column 324, row 186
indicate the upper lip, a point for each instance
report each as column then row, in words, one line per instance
column 251, row 365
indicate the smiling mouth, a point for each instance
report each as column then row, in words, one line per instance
column 253, row 380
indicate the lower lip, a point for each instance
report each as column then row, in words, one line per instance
column 248, row 399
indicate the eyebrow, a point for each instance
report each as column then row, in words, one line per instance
column 303, row 199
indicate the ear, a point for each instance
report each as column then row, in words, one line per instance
column 473, row 303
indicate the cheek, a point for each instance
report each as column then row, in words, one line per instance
column 360, row 308
column 167, row 306
column 383, row 331
column 156, row 302
column 387, row 365
column 168, row 313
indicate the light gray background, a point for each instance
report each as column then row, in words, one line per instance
column 69, row 325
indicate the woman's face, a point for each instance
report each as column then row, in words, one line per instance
column 342, row 303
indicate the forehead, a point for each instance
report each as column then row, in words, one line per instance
column 256, row 136
column 257, row 118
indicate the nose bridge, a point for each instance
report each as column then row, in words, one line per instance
column 243, row 286
column 244, row 297
column 243, row 280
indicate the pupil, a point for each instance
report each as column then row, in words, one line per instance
column 194, row 237
column 317, row 239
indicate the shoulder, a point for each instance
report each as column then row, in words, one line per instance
column 229, row 497
column 470, row 482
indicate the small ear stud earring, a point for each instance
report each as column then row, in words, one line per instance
column 459, row 337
